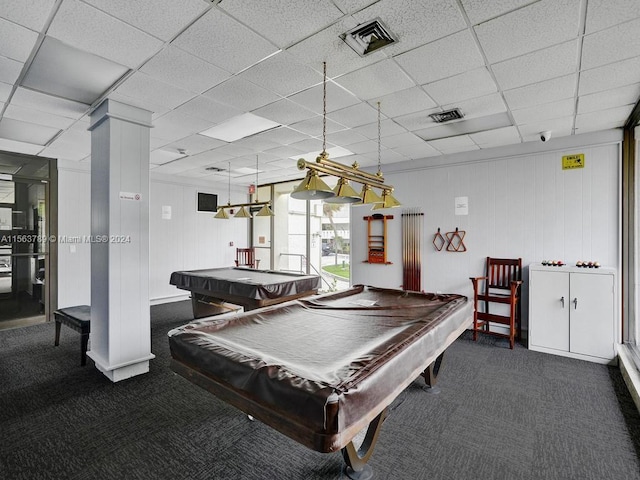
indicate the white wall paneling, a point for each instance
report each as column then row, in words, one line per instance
column 519, row 206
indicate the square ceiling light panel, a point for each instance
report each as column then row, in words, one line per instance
column 239, row 127
column 67, row 72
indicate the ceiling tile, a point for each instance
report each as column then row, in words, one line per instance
column 161, row 156
column 417, row 150
column 32, row 14
column 175, row 125
column 611, row 45
column 603, row 119
column 87, row 28
column 480, row 11
column 146, row 103
column 346, row 138
column 336, row 98
column 284, row 112
column 354, row 116
column 461, row 143
column 9, row 70
column 328, row 46
column 156, row 17
column 26, row 132
column 19, row 147
column 282, row 135
column 313, row 126
column 57, row 106
column 362, row 148
column 269, row 74
column 209, row 157
column 283, row 152
column 403, row 102
column 418, row 120
column 543, row 92
column 16, row 42
column 38, row 117
column 466, row 126
column 627, row 95
column 559, row 127
column 184, row 70
column 144, row 87
column 618, row 74
column 479, row 107
column 400, row 140
column 387, row 127
column 530, row 28
column 496, row 138
column 195, row 144
column 285, row 22
column 605, row 13
column 223, row 41
column 415, row 22
column 241, row 94
column 351, row 6
column 207, row 109
column 474, row 83
column 540, row 113
column 5, row 91
column 256, row 143
column 454, row 54
column 376, row 80
column 535, row 67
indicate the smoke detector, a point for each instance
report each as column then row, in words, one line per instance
column 449, row 115
column 368, row 37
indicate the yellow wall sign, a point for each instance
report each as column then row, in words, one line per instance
column 570, row 162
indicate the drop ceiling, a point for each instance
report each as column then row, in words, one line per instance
column 514, row 68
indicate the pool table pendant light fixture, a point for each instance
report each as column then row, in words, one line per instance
column 265, row 211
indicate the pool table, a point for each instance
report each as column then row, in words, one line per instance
column 323, row 368
column 250, row 288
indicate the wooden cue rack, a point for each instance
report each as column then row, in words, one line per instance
column 377, row 238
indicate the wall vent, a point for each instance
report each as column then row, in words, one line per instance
column 368, row 37
column 454, row 114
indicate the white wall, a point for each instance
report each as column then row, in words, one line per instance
column 189, row 240
column 519, row 206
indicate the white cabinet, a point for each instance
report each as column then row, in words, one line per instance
column 572, row 312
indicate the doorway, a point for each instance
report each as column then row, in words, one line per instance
column 24, row 240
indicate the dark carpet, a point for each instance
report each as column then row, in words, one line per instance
column 501, row 414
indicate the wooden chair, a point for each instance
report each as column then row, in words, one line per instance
column 246, row 257
column 501, row 284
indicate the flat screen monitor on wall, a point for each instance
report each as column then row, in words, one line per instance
column 207, row 202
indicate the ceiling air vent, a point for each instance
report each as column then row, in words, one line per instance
column 214, row 169
column 368, row 37
column 447, row 116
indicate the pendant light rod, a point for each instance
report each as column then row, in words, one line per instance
column 353, row 169
column 354, row 177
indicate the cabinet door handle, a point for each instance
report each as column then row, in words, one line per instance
column 575, row 303
column 562, row 300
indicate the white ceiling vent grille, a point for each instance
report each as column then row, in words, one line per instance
column 368, row 37
column 454, row 114
column 214, row 169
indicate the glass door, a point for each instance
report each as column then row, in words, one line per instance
column 23, row 250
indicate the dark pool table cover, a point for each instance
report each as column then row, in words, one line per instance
column 320, row 369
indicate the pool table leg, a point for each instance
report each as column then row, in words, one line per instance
column 356, row 458
column 431, row 375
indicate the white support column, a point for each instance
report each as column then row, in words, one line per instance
column 120, row 319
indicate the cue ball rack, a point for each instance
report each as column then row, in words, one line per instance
column 377, row 238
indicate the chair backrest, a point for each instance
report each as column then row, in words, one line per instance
column 502, row 271
column 245, row 257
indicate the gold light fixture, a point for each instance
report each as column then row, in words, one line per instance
column 265, row 211
column 313, row 188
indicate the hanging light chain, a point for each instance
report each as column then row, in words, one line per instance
column 324, row 108
column 229, row 188
column 379, row 134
